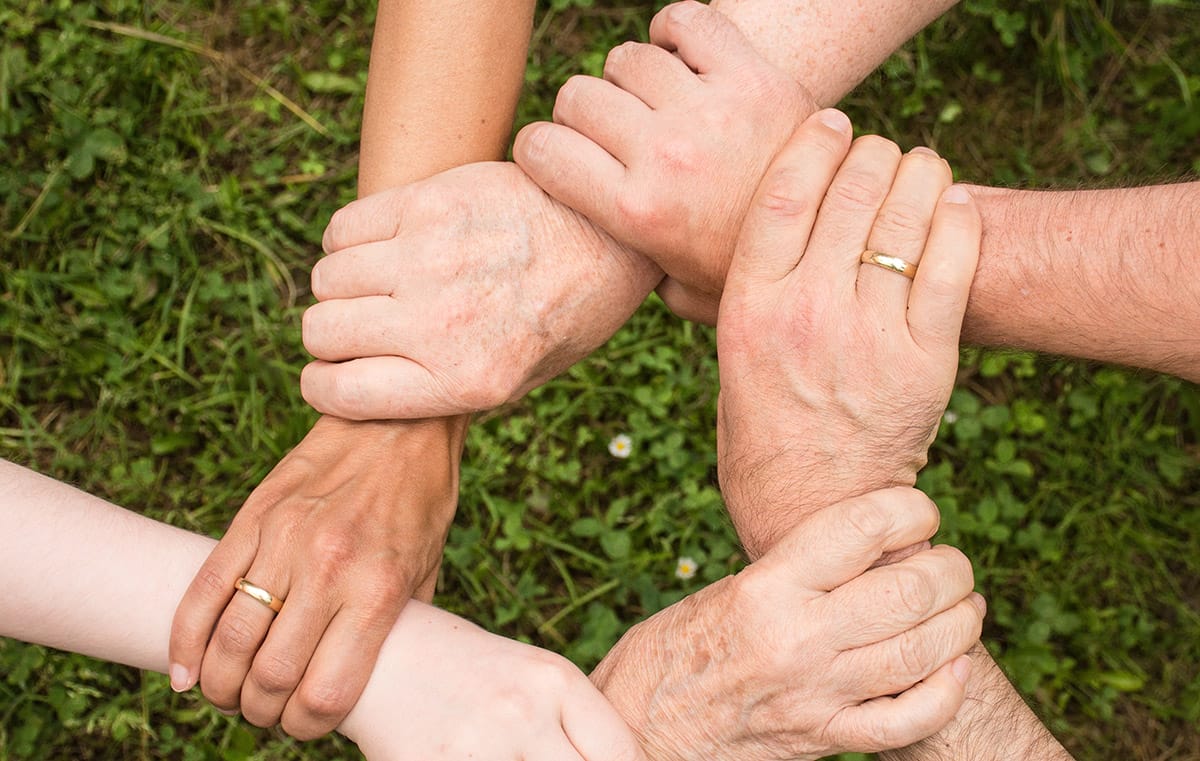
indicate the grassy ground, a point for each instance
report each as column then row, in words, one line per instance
column 160, row 208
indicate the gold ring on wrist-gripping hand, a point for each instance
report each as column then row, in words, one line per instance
column 890, row 263
column 260, row 594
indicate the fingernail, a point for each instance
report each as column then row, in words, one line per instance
column 961, row 669
column 980, row 603
column 956, row 194
column 834, row 120
column 223, row 712
column 314, row 280
column 181, row 678
column 925, row 151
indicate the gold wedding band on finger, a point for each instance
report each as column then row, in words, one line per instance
column 890, row 263
column 260, row 594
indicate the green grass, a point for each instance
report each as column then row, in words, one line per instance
column 159, row 211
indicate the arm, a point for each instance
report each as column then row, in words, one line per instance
column 1111, row 275
column 357, row 506
column 580, row 284
column 81, row 574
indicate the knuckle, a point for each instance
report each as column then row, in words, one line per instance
column 568, row 96
column 639, row 211
column 619, row 57
column 912, row 592
column 858, row 190
column 236, row 635
column 780, row 195
column 869, row 519
column 276, row 675
column 912, row 657
column 333, row 549
column 902, row 218
column 324, row 702
column 210, row 582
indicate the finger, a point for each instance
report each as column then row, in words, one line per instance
column 351, row 328
column 205, row 600
column 366, row 269
column 849, row 209
column 840, row 542
column 603, row 113
column 572, row 169
column 338, row 671
column 776, row 230
column 650, row 74
column 377, row 388
column 374, row 218
column 915, row 714
column 938, row 300
column 705, row 39
column 594, row 727
column 281, row 661
column 891, row 599
column 239, row 633
column 688, row 303
column 894, row 665
column 900, row 230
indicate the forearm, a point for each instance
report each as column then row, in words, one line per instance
column 443, row 87
column 829, row 46
column 1110, row 275
column 993, row 725
column 84, row 575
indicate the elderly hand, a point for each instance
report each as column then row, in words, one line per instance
column 445, row 690
column 834, row 372
column 344, row 530
column 460, row 293
column 809, row 651
column 666, row 151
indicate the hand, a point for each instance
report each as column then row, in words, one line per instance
column 445, row 690
column 666, row 151
column 345, row 529
column 834, row 374
column 460, row 293
column 799, row 655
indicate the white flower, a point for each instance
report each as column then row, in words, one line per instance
column 686, row 568
column 950, row 417
column 621, row 446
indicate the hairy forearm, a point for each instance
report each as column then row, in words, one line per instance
column 1110, row 275
column 442, row 88
column 993, row 725
column 829, row 46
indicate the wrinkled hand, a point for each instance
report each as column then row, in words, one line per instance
column 445, row 690
column 666, row 151
column 807, row 652
column 345, row 529
column 834, row 374
column 460, row 293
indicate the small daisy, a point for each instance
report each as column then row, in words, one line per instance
column 949, row 417
column 686, row 568
column 621, row 446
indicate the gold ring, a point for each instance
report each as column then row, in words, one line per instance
column 260, row 594
column 891, row 263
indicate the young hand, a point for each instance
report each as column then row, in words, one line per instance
column 345, row 529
